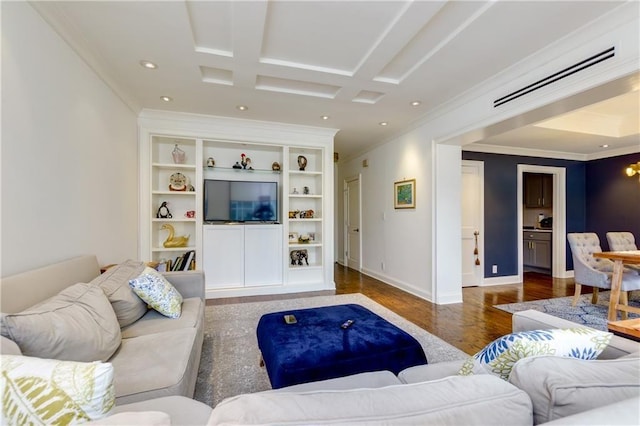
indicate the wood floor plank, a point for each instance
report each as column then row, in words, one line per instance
column 469, row 326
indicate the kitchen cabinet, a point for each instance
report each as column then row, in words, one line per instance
column 536, row 249
column 538, row 190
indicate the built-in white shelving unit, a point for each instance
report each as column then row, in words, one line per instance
column 241, row 258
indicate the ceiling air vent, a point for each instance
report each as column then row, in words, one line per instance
column 589, row 62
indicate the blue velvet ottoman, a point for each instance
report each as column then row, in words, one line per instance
column 316, row 347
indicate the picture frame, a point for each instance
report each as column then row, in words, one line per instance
column 404, row 192
column 293, row 237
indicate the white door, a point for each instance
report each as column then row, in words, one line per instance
column 472, row 223
column 353, row 238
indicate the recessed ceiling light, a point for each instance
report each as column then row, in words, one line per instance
column 325, row 117
column 242, row 107
column 166, row 98
column 148, row 64
column 383, row 123
column 415, row 103
column 604, row 146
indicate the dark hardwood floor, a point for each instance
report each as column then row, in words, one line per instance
column 468, row 326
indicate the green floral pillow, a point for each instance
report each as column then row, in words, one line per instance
column 49, row 391
column 499, row 356
column 158, row 293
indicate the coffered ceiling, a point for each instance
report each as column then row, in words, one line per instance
column 349, row 65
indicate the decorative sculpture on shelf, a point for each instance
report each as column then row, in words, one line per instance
column 173, row 241
column 297, row 256
column 275, row 166
column 211, row 162
column 180, row 182
column 163, row 211
column 178, row 155
column 302, row 162
column 245, row 162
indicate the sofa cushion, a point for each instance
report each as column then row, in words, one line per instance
column 479, row 400
column 115, row 284
column 625, row 412
column 559, row 387
column 155, row 322
column 157, row 292
column 155, row 365
column 78, row 324
column 47, row 391
column 499, row 356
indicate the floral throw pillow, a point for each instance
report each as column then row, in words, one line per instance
column 499, row 356
column 158, row 293
column 49, row 391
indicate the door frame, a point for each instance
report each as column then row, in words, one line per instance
column 480, row 165
column 345, row 191
column 558, row 244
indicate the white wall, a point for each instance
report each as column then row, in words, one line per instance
column 401, row 239
column 69, row 153
column 422, row 249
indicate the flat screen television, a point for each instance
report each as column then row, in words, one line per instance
column 240, row 201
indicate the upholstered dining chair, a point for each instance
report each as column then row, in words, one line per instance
column 623, row 241
column 595, row 272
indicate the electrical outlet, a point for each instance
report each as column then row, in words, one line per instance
column 494, row 269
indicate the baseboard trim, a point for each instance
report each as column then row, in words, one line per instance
column 267, row 290
column 398, row 284
column 507, row 279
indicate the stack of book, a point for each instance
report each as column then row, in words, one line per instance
column 184, row 262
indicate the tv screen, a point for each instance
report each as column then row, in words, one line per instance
column 240, row 201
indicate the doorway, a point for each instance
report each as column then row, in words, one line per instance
column 352, row 225
column 558, row 226
column 472, row 223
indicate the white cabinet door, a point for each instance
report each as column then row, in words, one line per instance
column 223, row 256
column 263, row 255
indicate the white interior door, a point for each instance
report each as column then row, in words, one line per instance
column 472, row 223
column 352, row 214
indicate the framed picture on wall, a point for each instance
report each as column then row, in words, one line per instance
column 404, row 194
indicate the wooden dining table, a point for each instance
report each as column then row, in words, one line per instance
column 619, row 258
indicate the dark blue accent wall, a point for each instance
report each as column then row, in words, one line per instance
column 613, row 198
column 501, row 210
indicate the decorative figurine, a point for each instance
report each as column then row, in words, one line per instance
column 293, row 214
column 304, row 239
column 210, row 162
column 178, row 155
column 305, row 190
column 297, row 256
column 245, row 162
column 302, row 162
column 180, row 182
column 163, row 211
column 306, row 214
column 237, row 166
column 172, row 241
column 275, row 166
column 295, row 191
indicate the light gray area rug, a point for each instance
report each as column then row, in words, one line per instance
column 230, row 355
column 584, row 313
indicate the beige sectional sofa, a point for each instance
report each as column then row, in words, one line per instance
column 155, row 356
column 541, row 390
column 157, row 361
